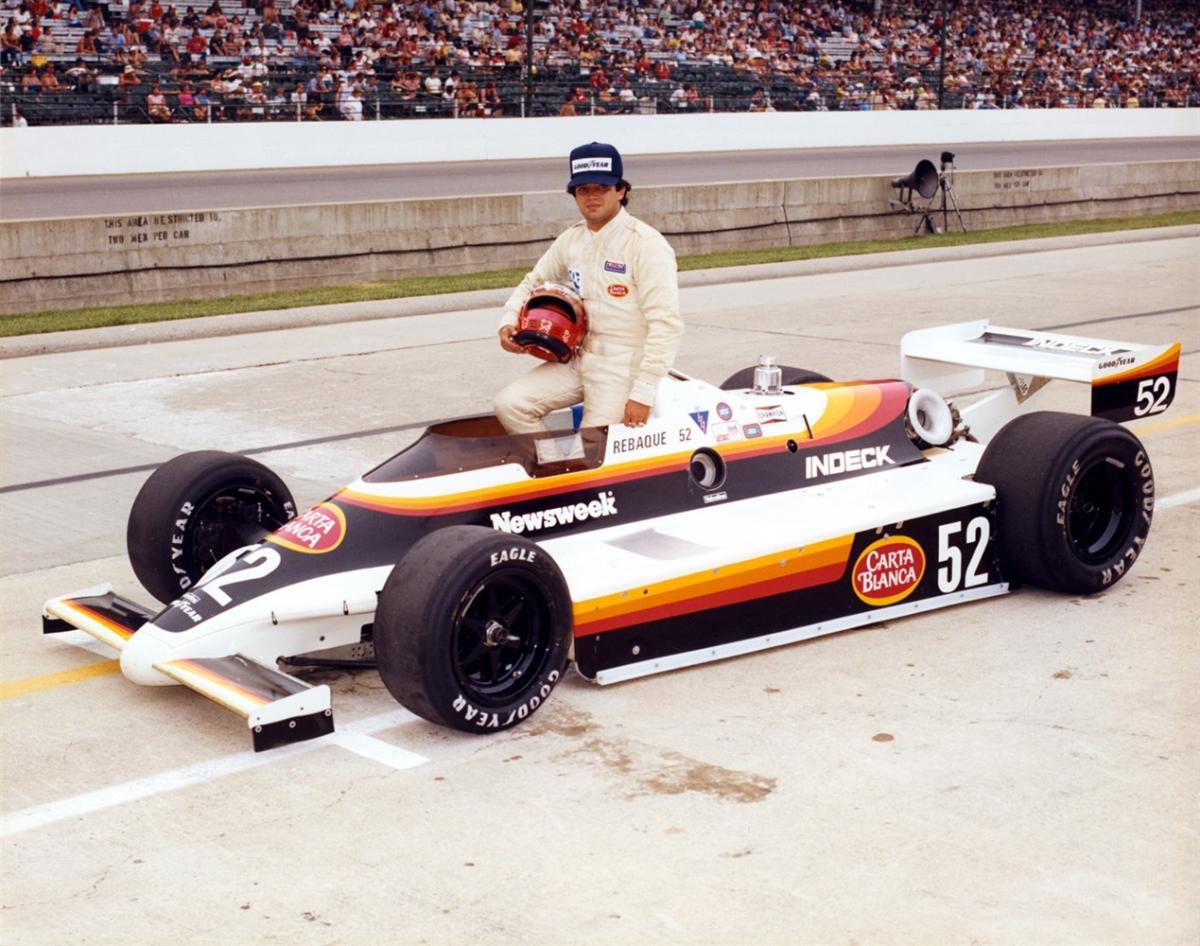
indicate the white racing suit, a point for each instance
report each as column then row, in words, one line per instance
column 626, row 274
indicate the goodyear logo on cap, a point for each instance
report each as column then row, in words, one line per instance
column 584, row 165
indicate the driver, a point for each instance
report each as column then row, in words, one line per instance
column 625, row 271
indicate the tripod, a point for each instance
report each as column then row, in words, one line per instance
column 946, row 187
column 925, row 182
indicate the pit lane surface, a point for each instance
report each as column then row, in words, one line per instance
column 1021, row 770
column 144, row 193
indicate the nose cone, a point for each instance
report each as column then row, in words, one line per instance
column 142, row 651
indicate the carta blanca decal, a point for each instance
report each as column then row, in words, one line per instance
column 888, row 571
column 319, row 530
column 603, row 505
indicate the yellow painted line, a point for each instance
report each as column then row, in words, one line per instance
column 63, row 678
column 1185, row 421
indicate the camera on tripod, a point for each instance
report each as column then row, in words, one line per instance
column 924, row 184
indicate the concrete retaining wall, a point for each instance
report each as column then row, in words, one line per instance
column 65, row 263
column 55, row 151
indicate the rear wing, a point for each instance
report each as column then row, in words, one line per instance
column 1127, row 380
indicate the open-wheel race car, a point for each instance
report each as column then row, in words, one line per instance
column 472, row 566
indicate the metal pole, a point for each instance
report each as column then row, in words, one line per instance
column 942, row 62
column 1137, row 10
column 528, row 58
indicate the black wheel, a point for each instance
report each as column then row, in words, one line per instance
column 1075, row 495
column 473, row 628
column 196, row 509
column 740, row 380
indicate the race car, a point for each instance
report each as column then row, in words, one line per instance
column 473, row 566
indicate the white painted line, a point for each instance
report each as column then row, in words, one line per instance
column 354, row 736
column 377, row 750
column 1178, row 499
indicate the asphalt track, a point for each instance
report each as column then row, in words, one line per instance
column 82, row 196
column 1019, row 771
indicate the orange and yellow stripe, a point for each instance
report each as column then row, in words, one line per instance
column 217, row 687
column 1165, row 363
column 852, row 410
column 789, row 570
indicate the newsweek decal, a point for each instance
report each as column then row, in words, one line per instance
column 315, row 532
column 888, row 571
column 603, row 505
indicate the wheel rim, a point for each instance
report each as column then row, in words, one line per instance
column 502, row 637
column 230, row 518
column 1098, row 512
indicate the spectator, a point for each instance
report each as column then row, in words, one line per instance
column 156, row 105
column 197, row 45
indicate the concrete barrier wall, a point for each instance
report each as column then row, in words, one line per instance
column 63, row 263
column 55, row 151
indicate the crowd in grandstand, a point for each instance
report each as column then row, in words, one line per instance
column 152, row 60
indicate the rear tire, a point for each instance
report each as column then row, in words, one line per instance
column 473, row 628
column 1075, row 495
column 740, row 380
column 196, row 509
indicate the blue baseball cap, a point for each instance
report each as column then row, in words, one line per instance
column 595, row 163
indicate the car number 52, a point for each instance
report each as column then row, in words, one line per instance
column 951, row 547
column 1152, row 395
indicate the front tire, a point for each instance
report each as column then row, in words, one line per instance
column 1076, row 496
column 473, row 628
column 196, row 509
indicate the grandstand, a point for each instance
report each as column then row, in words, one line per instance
column 135, row 61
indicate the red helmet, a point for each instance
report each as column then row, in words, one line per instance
column 552, row 323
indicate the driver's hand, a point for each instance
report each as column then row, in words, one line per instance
column 506, row 339
column 636, row 414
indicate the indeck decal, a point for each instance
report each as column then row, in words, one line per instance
column 603, row 505
column 847, row 461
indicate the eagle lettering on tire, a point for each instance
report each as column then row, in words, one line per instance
column 473, row 628
column 1076, row 499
